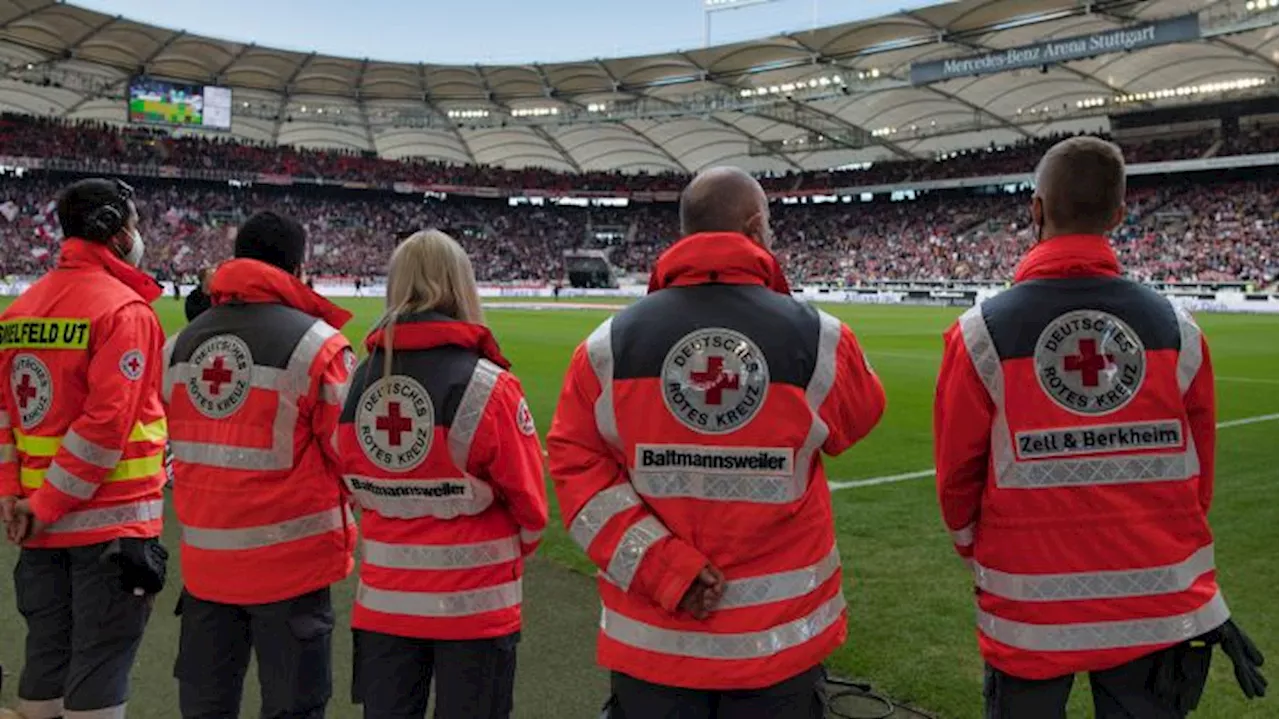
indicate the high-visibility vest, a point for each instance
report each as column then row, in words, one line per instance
column 443, row 458
column 254, row 388
column 689, row 432
column 1075, row 447
column 82, row 431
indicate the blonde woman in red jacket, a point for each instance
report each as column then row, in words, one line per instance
column 441, row 453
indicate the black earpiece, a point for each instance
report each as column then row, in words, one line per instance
column 104, row 222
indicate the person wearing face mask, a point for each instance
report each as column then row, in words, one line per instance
column 685, row 454
column 82, row 438
column 1074, row 445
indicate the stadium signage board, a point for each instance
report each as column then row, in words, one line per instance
column 1133, row 37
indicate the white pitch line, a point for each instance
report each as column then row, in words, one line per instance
column 849, row 483
column 1253, row 380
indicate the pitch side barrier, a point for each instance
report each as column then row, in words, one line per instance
column 1230, row 297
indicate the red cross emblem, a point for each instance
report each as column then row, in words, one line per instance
column 714, row 381
column 25, row 391
column 394, row 424
column 133, row 364
column 1088, row 363
column 217, row 375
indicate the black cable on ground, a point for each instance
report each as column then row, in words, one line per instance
column 870, row 705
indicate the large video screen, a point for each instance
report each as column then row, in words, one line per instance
column 159, row 102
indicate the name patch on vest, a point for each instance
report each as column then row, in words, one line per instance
column 395, row 423
column 221, row 377
column 46, row 334
column 734, row 460
column 1090, row 362
column 32, row 388
column 1165, row 434
column 714, row 380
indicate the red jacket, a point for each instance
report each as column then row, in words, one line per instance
column 688, row 433
column 254, row 388
column 443, row 458
column 82, row 430
column 1074, row 442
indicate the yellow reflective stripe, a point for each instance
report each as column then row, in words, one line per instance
column 35, row 446
column 156, row 431
column 127, row 470
column 44, row 334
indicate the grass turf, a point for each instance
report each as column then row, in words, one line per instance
column 910, row 598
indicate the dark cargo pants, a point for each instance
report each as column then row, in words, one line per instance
column 1123, row 692
column 475, row 679
column 293, row 643
column 800, row 697
column 83, row 632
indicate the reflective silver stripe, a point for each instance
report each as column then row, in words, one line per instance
column 600, row 354
column 413, row 498
column 8, row 453
column 530, row 537
column 631, row 550
column 1096, row 585
column 440, row 604
column 89, row 452
column 44, row 709
column 290, row 383
column 334, row 393
column 1105, row 635
column 815, row 393
column 5, row 422
column 440, row 556
column 1121, row 469
column 260, row 376
column 718, row 486
column 706, row 645
column 263, row 536
column 598, row 511
column 982, row 352
column 462, row 430
column 68, row 483
column 115, row 712
column 1190, row 354
column 962, row 537
column 767, row 588
column 90, row 519
column 166, row 382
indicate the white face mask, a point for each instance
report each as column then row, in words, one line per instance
column 134, row 256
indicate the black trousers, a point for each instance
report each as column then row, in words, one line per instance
column 475, row 679
column 799, row 697
column 83, row 631
column 1123, row 692
column 293, row 640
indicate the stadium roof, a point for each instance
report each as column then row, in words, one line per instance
column 69, row 61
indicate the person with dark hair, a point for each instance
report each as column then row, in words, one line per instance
column 1074, row 444
column 255, row 386
column 82, row 438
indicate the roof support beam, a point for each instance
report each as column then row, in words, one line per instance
column 448, row 121
column 151, row 57
column 217, row 77
column 26, row 14
column 285, row 94
column 364, row 112
column 1006, row 122
column 74, row 47
column 536, row 129
column 541, row 131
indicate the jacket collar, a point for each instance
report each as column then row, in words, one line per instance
column 428, row 330
column 77, row 253
column 725, row 258
column 254, row 282
column 1069, row 256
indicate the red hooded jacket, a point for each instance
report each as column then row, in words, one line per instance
column 1074, row 443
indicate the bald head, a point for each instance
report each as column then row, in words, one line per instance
column 725, row 199
column 1080, row 185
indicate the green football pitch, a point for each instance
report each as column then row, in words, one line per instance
column 911, row 610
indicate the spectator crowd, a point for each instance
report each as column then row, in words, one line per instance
column 1215, row 231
